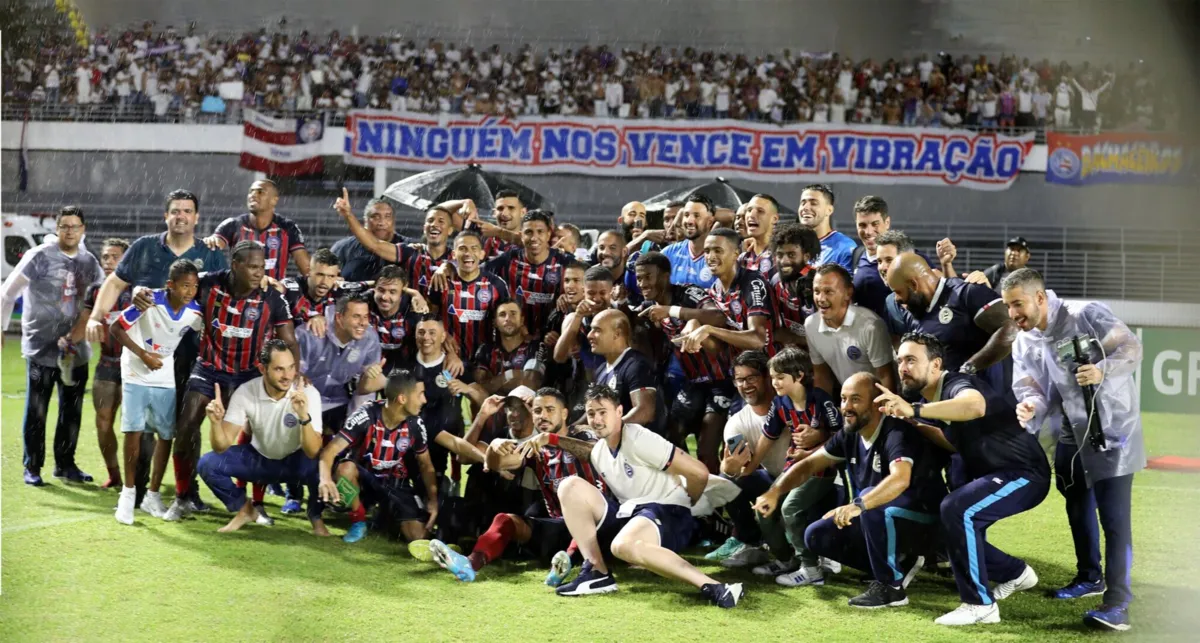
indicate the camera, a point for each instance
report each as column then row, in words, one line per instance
column 1075, row 352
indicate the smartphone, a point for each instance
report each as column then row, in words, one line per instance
column 734, row 443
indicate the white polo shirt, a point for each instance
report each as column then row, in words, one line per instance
column 274, row 426
column 636, row 473
column 861, row 344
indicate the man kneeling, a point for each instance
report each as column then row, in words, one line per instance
column 285, row 436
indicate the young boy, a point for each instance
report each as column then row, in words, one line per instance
column 148, row 372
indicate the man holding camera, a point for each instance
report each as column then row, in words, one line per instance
column 1079, row 357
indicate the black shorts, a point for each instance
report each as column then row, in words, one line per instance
column 398, row 502
column 697, row 399
column 108, row 370
column 332, row 420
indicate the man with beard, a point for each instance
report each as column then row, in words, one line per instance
column 793, row 247
column 610, row 253
column 419, row 262
column 1005, row 467
column 465, row 299
column 761, row 214
column 627, row 371
column 279, row 235
column 632, row 220
column 555, row 452
column 393, row 317
column 845, row 339
column 688, row 264
column 357, row 261
column 896, row 475
column 533, row 272
column 704, row 400
column 816, row 208
column 512, row 360
column 872, row 220
column 740, row 293
column 308, row 296
column 572, row 340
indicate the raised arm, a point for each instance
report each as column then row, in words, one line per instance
column 385, row 250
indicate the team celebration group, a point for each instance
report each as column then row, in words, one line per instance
column 853, row 404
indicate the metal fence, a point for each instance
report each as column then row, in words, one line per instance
column 1080, row 262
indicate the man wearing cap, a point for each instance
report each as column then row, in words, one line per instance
column 1016, row 256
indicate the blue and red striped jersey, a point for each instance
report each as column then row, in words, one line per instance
column 281, row 238
column 419, row 264
column 535, row 286
column 235, row 329
column 819, row 412
column 492, row 359
column 792, row 308
column 395, row 332
column 747, row 296
column 702, row 366
column 760, row 263
column 552, row 465
column 495, row 246
column 465, row 309
column 302, row 307
column 381, row 449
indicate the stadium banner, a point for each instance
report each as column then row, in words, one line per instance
column 1169, row 377
column 1115, row 158
column 692, row 149
column 282, row 146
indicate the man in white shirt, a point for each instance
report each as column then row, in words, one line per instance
column 767, row 98
column 285, row 436
column 844, row 339
column 659, row 487
column 1089, row 100
column 1062, row 105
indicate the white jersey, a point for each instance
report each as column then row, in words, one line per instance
column 275, row 429
column 158, row 330
column 636, row 473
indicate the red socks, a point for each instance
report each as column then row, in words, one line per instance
column 183, row 476
column 359, row 514
column 491, row 544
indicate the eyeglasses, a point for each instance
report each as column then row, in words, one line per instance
column 70, row 228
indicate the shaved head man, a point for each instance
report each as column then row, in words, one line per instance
column 913, row 282
column 627, row 371
column 633, row 219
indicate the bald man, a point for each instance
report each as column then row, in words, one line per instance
column 627, row 371
column 633, row 219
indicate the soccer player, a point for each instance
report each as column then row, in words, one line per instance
column 1090, row 480
column 468, row 296
column 393, row 317
column 512, row 360
column 656, row 486
column 419, row 262
column 632, row 219
column 570, row 376
column 148, row 373
column 507, row 211
column 888, row 246
column 806, row 417
column 816, row 208
column 556, row 452
column 533, row 272
column 357, row 261
column 387, row 438
column 845, row 339
column 238, row 317
column 1005, row 466
column 627, row 371
column 707, row 393
column 898, row 488
column 793, row 248
column 743, row 295
column 285, row 429
column 309, row 295
column 279, row 235
column 762, row 212
column 53, row 278
column 572, row 342
column 688, row 256
column 106, row 385
column 872, row 220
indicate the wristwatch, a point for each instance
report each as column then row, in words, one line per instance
column 306, row 422
column 858, row 502
column 916, row 407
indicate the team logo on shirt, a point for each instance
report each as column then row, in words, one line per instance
column 290, row 420
column 552, row 277
column 945, row 315
column 736, row 307
column 628, row 470
column 764, row 264
column 252, row 314
column 518, row 361
column 441, row 380
column 273, row 242
column 706, row 273
column 854, row 353
column 484, row 296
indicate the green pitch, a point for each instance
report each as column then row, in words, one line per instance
column 70, row 572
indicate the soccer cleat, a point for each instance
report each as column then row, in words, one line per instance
column 1108, row 617
column 152, row 504
column 1078, row 589
column 419, row 549
column 912, row 572
column 356, row 532
column 878, row 596
column 560, row 568
column 33, row 478
column 1027, row 580
column 968, row 614
column 801, row 577
column 73, row 474
column 125, row 503
column 291, row 507
column 589, row 581
column 261, row 517
column 452, row 561
column 726, row 549
column 722, row 594
column 745, row 556
column 179, row 509
column 777, row 568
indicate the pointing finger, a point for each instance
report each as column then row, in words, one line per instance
column 218, row 391
column 346, row 194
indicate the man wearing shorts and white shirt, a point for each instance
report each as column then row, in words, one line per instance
column 659, row 488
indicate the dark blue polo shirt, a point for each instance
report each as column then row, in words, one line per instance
column 996, row 441
column 952, row 319
column 868, row 465
column 359, row 263
column 149, row 258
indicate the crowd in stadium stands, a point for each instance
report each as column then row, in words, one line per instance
column 169, row 75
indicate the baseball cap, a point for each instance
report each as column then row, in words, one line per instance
column 1019, row 242
column 522, row 393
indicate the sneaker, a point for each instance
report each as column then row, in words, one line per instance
column 912, row 572
column 196, row 504
column 276, row 489
column 291, row 507
column 777, row 568
column 968, row 614
column 33, row 478
column 73, row 474
column 589, row 581
column 726, row 549
column 419, row 549
column 723, row 594
column 879, row 595
column 831, row 566
column 178, row 510
column 1078, row 589
column 1027, row 580
column 452, row 561
column 356, row 532
column 152, row 504
column 261, row 516
column 125, row 506
column 560, row 568
column 802, row 576
column 745, row 556
column 1108, row 617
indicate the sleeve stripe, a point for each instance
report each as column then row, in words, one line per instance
column 987, row 306
column 671, row 458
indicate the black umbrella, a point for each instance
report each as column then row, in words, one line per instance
column 722, row 193
column 471, row 182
